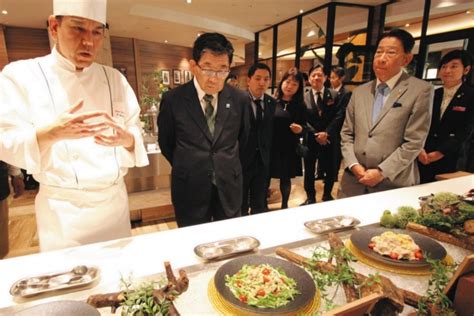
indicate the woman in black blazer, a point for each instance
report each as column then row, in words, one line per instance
column 452, row 118
column 289, row 120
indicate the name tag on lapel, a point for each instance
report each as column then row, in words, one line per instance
column 459, row 108
column 227, row 106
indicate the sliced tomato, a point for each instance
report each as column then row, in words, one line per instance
column 266, row 271
column 371, row 245
column 266, row 279
column 261, row 292
column 243, row 298
column 419, row 254
column 394, row 255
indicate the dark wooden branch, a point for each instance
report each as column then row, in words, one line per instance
column 441, row 236
column 173, row 288
column 396, row 295
column 336, row 245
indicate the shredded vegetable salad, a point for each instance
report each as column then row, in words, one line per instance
column 262, row 286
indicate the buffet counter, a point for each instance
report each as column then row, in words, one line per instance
column 144, row 255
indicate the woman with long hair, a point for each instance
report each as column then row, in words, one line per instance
column 288, row 125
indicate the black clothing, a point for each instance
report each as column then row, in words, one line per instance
column 449, row 133
column 322, row 117
column 4, row 182
column 284, row 162
column 256, row 156
column 202, row 160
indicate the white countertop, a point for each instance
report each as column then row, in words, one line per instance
column 144, row 255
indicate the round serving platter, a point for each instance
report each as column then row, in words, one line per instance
column 304, row 284
column 429, row 247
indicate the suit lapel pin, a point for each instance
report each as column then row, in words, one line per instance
column 227, row 106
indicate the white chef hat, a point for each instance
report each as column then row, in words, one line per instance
column 90, row 9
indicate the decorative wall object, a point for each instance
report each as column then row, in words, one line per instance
column 187, row 75
column 177, row 76
column 165, row 77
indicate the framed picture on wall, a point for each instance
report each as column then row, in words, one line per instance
column 177, row 76
column 165, row 77
column 187, row 75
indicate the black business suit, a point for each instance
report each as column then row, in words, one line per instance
column 449, row 133
column 256, row 157
column 322, row 118
column 198, row 158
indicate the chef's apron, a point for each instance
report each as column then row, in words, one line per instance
column 73, row 217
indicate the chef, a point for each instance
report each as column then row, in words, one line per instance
column 74, row 125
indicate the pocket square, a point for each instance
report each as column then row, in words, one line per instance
column 396, row 105
column 459, row 108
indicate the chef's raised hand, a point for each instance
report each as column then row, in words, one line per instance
column 120, row 136
column 70, row 125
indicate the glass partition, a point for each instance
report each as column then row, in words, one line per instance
column 313, row 39
column 265, row 47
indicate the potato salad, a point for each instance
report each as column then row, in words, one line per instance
column 396, row 246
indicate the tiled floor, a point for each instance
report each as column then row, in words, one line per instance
column 22, row 225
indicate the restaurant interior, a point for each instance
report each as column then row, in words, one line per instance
column 150, row 43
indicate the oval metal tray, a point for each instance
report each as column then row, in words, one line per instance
column 226, row 248
column 331, row 224
column 35, row 285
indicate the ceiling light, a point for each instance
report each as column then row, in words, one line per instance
column 189, row 1
column 166, row 41
column 407, row 25
column 199, row 34
column 468, row 11
column 301, row 11
column 311, row 33
column 4, row 12
column 259, row 53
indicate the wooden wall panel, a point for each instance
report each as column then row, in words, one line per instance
column 123, row 59
column 24, row 43
column 3, row 48
column 158, row 56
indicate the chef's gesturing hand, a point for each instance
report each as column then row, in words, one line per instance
column 120, row 137
column 70, row 125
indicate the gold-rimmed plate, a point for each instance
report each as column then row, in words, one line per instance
column 429, row 247
column 304, row 284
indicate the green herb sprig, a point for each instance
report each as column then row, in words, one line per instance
column 440, row 276
column 139, row 299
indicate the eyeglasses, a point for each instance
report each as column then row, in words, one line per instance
column 211, row 73
column 391, row 53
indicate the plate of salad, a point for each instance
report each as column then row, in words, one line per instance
column 264, row 285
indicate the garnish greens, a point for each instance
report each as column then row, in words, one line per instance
column 440, row 275
column 344, row 273
column 139, row 300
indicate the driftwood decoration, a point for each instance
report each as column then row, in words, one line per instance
column 173, row 288
column 466, row 243
column 395, row 296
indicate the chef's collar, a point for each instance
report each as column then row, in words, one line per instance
column 65, row 63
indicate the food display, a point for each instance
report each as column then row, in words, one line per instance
column 445, row 216
column 262, row 286
column 396, row 246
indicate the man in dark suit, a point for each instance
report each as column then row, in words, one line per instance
column 451, row 122
column 256, row 156
column 201, row 125
column 322, row 134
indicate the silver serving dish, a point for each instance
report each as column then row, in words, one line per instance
column 77, row 277
column 226, row 248
column 331, row 224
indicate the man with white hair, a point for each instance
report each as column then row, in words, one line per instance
column 74, row 125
